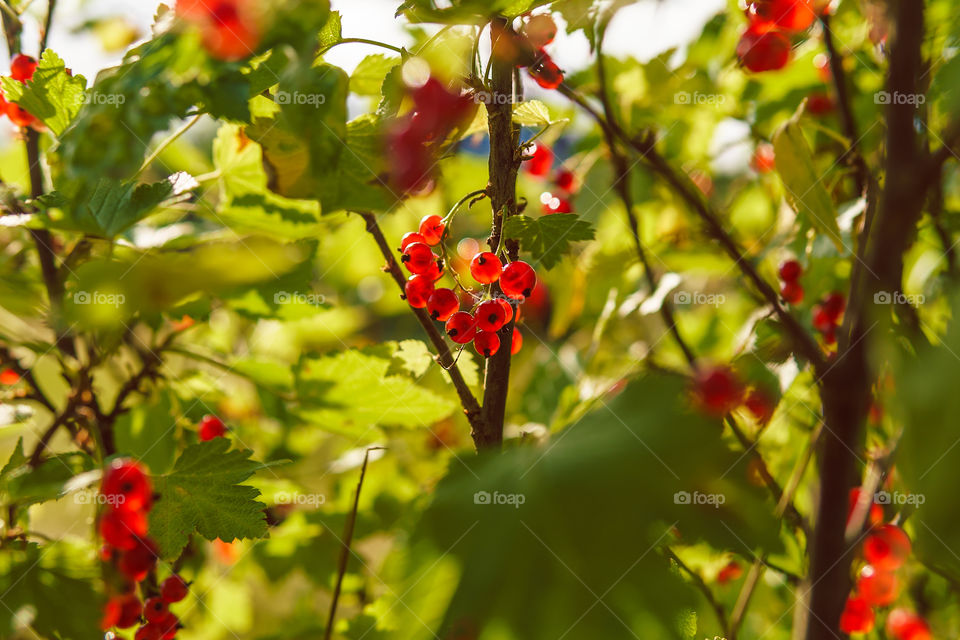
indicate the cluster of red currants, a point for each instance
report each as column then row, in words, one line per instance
column 827, row 315
column 128, row 494
column 526, row 49
column 489, row 313
column 719, row 391
column 765, row 44
column 211, row 427
column 539, row 165
column 414, row 138
column 885, row 550
column 22, row 68
column 229, row 28
column 790, row 288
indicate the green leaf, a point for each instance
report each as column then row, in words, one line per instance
column 203, row 494
column 804, row 186
column 368, row 76
column 52, row 95
column 534, row 113
column 415, row 356
column 351, row 392
column 114, row 206
column 332, row 30
column 548, row 238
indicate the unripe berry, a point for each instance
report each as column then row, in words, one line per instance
column 211, row 427
column 877, row 587
column 516, row 341
column 490, row 316
column 789, row 270
column 431, row 228
column 887, row 547
column 418, row 257
column 442, row 304
column 487, row 343
column 461, row 327
column 418, row 290
column 542, row 160
column 857, row 616
column 540, row 30
column 173, row 589
column 486, row 267
column 518, row 280
column 410, row 237
column 120, row 529
column 126, row 487
column 760, row 50
column 155, row 609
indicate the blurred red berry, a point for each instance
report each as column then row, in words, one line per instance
column 173, row 589
column 718, row 390
column 541, row 161
column 819, row 104
column 877, row 587
column 125, row 486
column 22, row 67
column 516, row 341
column 790, row 270
column 857, row 616
column 211, row 427
column 135, row 563
column 545, row 71
column 731, row 571
column 786, row 15
column 540, row 30
column 760, row 50
column 905, row 625
column 120, row 529
column 764, row 158
column 792, row 292
column 887, row 547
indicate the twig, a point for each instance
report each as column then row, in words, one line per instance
column 166, row 143
column 345, row 548
column 45, row 33
column 471, row 407
column 702, row 586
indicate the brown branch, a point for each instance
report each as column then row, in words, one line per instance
column 504, row 160
column 45, row 31
column 471, row 407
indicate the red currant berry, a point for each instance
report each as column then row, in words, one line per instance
column 760, row 50
column 486, row 267
column 136, row 563
column 410, row 237
column 553, row 204
column 9, row 376
column 819, row 104
column 518, row 280
column 822, row 321
column 764, row 159
column 173, row 589
column 461, row 327
column 905, row 625
column 149, row 632
column 730, row 572
column 507, row 309
column 155, row 609
column 718, row 390
column 791, row 292
column 19, row 116
column 211, row 427
column 490, row 316
column 875, row 516
column 516, row 341
column 887, row 547
column 545, row 71
column 879, row 588
column 431, row 228
column 111, row 613
column 565, row 179
column 120, row 529
column 785, row 15
column 487, row 343
column 105, row 553
column 228, row 35
column 126, row 487
column 418, row 290
column 22, row 67
column 418, row 257
column 790, row 270
column 541, row 161
column 442, row 304
column 129, row 612
column 834, row 305
column 169, row 627
column 540, row 30
column 760, row 404
column 857, row 616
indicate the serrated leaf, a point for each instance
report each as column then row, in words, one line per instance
column 415, row 356
column 534, row 113
column 114, row 206
column 548, row 238
column 352, row 392
column 331, row 33
column 804, row 186
column 203, row 494
column 368, row 76
column 52, row 95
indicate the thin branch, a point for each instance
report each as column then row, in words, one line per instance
column 166, row 143
column 702, row 586
column 471, row 407
column 45, row 31
column 345, row 546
